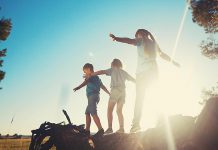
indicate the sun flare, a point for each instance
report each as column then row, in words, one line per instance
column 172, row 94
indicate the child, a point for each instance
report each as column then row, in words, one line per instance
column 147, row 70
column 92, row 91
column 117, row 96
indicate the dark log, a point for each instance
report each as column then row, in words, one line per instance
column 206, row 127
column 67, row 116
column 186, row 135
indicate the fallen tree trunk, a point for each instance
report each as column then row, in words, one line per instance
column 205, row 133
column 184, row 134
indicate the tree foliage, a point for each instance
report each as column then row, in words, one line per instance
column 209, row 48
column 5, row 30
column 205, row 14
column 2, row 73
column 208, row 93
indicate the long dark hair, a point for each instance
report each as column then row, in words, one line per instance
column 150, row 45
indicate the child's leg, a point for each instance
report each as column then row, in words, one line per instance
column 110, row 109
column 88, row 122
column 140, row 95
column 120, row 114
column 97, row 121
column 93, row 100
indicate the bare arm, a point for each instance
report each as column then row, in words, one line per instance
column 167, row 58
column 130, row 78
column 81, row 85
column 123, row 40
column 105, row 89
column 100, row 72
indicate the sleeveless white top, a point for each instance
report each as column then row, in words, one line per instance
column 144, row 61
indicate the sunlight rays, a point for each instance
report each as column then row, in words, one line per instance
column 169, row 93
column 170, row 139
column 180, row 30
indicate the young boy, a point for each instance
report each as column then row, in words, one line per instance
column 117, row 96
column 92, row 91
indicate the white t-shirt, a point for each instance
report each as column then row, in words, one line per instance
column 146, row 58
column 118, row 77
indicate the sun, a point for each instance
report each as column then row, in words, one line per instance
column 172, row 94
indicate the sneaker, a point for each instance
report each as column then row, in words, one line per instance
column 108, row 131
column 99, row 133
column 121, row 130
column 87, row 132
column 135, row 128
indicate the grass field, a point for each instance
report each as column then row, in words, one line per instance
column 15, row 144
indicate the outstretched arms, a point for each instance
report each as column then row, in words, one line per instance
column 81, row 85
column 123, row 40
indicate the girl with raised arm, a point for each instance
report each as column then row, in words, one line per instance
column 147, row 70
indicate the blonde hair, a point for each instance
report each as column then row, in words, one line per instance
column 117, row 63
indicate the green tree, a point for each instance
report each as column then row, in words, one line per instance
column 5, row 29
column 205, row 14
column 208, row 93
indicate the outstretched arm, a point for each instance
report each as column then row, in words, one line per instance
column 167, row 58
column 123, row 40
column 103, row 87
column 81, row 85
column 130, row 78
column 100, row 72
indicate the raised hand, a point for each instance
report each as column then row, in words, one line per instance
column 112, row 36
column 75, row 89
column 176, row 64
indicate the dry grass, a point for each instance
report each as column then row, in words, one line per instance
column 15, row 144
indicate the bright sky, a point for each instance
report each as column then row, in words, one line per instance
column 51, row 40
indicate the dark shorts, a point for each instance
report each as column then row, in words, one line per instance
column 92, row 104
